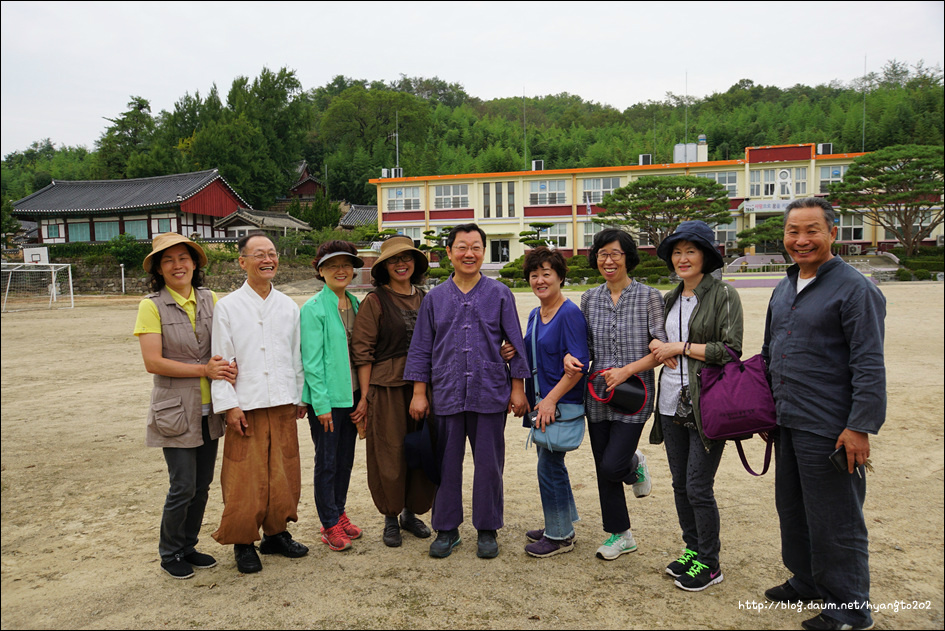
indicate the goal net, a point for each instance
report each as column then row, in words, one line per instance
column 37, row 286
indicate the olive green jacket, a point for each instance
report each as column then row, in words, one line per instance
column 716, row 322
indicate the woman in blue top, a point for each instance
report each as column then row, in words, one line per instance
column 560, row 329
column 331, row 387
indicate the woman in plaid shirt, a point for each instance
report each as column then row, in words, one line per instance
column 623, row 317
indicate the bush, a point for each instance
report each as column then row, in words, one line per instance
column 578, row 260
column 514, row 269
column 904, row 275
column 930, row 265
column 579, row 273
column 653, row 279
column 438, row 272
column 923, row 274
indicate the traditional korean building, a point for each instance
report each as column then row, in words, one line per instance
column 99, row 210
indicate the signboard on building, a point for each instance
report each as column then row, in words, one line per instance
column 766, row 205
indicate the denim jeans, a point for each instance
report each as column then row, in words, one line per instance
column 557, row 500
column 334, row 459
column 824, row 541
column 190, row 471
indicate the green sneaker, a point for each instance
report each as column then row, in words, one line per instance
column 616, row 545
column 681, row 565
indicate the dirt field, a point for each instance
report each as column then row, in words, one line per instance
column 82, row 498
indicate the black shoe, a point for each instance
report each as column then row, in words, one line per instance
column 200, row 560
column 826, row 623
column 412, row 524
column 177, row 568
column 282, row 544
column 446, row 540
column 391, row 537
column 247, row 561
column 488, row 547
column 785, row 593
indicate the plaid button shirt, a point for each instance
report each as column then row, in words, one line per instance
column 619, row 334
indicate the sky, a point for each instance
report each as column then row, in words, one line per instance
column 66, row 66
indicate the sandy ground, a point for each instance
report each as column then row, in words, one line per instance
column 82, row 497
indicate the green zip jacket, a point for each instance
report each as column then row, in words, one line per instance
column 716, row 321
column 325, row 357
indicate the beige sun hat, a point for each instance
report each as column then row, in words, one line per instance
column 170, row 239
column 397, row 245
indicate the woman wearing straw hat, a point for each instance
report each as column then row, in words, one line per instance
column 382, row 335
column 331, row 387
column 173, row 328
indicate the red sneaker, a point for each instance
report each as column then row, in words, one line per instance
column 336, row 538
column 350, row 529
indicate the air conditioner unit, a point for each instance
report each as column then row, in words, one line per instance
column 538, row 165
column 646, row 159
column 385, row 173
column 854, row 250
column 397, row 172
column 940, row 240
column 731, row 245
column 825, row 148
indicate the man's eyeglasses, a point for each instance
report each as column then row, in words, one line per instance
column 262, row 256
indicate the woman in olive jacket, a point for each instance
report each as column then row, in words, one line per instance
column 703, row 316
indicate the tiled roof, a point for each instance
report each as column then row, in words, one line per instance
column 261, row 219
column 111, row 195
column 359, row 216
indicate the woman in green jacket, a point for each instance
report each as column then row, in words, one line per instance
column 703, row 315
column 331, row 387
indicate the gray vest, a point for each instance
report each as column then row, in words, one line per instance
column 174, row 419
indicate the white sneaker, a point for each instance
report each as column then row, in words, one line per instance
column 643, row 485
column 616, row 545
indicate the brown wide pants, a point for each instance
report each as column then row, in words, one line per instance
column 261, row 476
column 393, row 486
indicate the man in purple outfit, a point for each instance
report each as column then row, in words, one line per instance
column 455, row 349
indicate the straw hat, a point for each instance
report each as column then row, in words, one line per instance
column 397, row 245
column 170, row 239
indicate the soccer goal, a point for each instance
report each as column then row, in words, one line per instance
column 37, row 286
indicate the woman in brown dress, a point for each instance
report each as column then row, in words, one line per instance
column 381, row 338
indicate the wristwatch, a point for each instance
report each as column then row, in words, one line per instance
column 687, row 350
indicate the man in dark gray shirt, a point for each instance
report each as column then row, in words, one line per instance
column 824, row 349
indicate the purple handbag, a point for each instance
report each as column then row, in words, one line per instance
column 736, row 402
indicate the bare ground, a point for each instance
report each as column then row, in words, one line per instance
column 82, row 497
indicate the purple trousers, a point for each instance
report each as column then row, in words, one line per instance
column 486, row 433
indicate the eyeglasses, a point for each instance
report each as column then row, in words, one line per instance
column 462, row 249
column 615, row 256
column 262, row 256
column 403, row 258
column 337, row 267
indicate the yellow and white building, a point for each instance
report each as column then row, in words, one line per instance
column 503, row 204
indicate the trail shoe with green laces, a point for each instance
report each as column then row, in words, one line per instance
column 616, row 544
column 681, row 565
column 643, row 484
column 698, row 577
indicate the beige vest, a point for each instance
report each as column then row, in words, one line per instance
column 176, row 409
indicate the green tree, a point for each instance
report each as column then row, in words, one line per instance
column 532, row 238
column 128, row 134
column 654, row 206
column 8, row 223
column 898, row 188
column 768, row 234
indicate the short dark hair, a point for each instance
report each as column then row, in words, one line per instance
column 245, row 239
column 813, row 202
column 330, row 247
column 466, row 227
column 627, row 244
column 380, row 275
column 156, row 281
column 536, row 258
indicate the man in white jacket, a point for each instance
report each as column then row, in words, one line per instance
column 258, row 327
